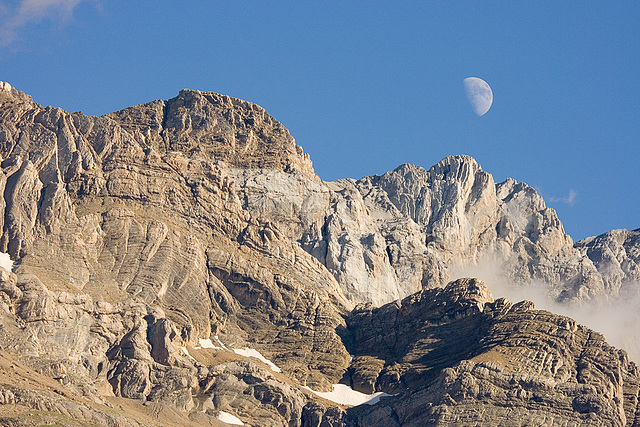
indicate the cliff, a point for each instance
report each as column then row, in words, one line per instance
column 179, row 261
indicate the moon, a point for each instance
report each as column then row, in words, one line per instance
column 479, row 94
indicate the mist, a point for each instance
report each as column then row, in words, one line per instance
column 617, row 317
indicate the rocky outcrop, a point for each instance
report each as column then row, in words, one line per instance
column 385, row 237
column 132, row 244
column 616, row 255
column 456, row 357
column 159, row 248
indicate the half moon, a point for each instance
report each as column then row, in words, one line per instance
column 479, row 94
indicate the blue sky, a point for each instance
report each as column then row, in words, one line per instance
column 366, row 86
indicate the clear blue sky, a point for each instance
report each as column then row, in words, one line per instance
column 366, row 86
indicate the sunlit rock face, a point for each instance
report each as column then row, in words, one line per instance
column 385, row 237
column 132, row 243
column 179, row 260
column 616, row 254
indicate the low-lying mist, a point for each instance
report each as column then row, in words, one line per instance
column 617, row 317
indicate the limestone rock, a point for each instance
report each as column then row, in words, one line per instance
column 456, row 357
column 385, row 237
column 616, row 254
column 153, row 241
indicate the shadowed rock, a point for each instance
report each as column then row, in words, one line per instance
column 151, row 242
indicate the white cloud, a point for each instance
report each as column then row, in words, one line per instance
column 13, row 20
column 570, row 199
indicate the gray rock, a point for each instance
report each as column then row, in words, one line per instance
column 616, row 255
column 142, row 234
column 385, row 237
column 463, row 359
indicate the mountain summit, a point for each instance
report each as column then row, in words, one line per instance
column 180, row 263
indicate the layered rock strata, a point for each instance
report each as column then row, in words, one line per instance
column 616, row 255
column 385, row 237
column 457, row 357
column 156, row 246
column 131, row 244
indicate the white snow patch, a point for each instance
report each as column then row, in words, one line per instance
column 246, row 352
column 249, row 352
column 208, row 344
column 5, row 261
column 228, row 418
column 186, row 353
column 345, row 395
column 220, row 342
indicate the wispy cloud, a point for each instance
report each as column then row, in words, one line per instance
column 13, row 20
column 570, row 199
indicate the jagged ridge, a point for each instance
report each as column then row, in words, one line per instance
column 140, row 233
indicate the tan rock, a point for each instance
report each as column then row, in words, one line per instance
column 152, row 241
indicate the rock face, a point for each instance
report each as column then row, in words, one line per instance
column 156, row 246
column 132, row 243
column 456, row 357
column 616, row 255
column 385, row 237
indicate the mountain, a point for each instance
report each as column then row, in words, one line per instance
column 180, row 263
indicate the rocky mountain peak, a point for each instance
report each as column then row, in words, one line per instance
column 616, row 254
column 457, row 167
column 182, row 260
column 221, row 128
column 11, row 96
column 470, row 290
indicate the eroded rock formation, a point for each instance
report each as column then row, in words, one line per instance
column 514, row 366
column 158, row 245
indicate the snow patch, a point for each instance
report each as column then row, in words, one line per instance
column 5, row 261
column 208, row 344
column 186, row 353
column 228, row 418
column 246, row 352
column 220, row 342
column 249, row 352
column 345, row 395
